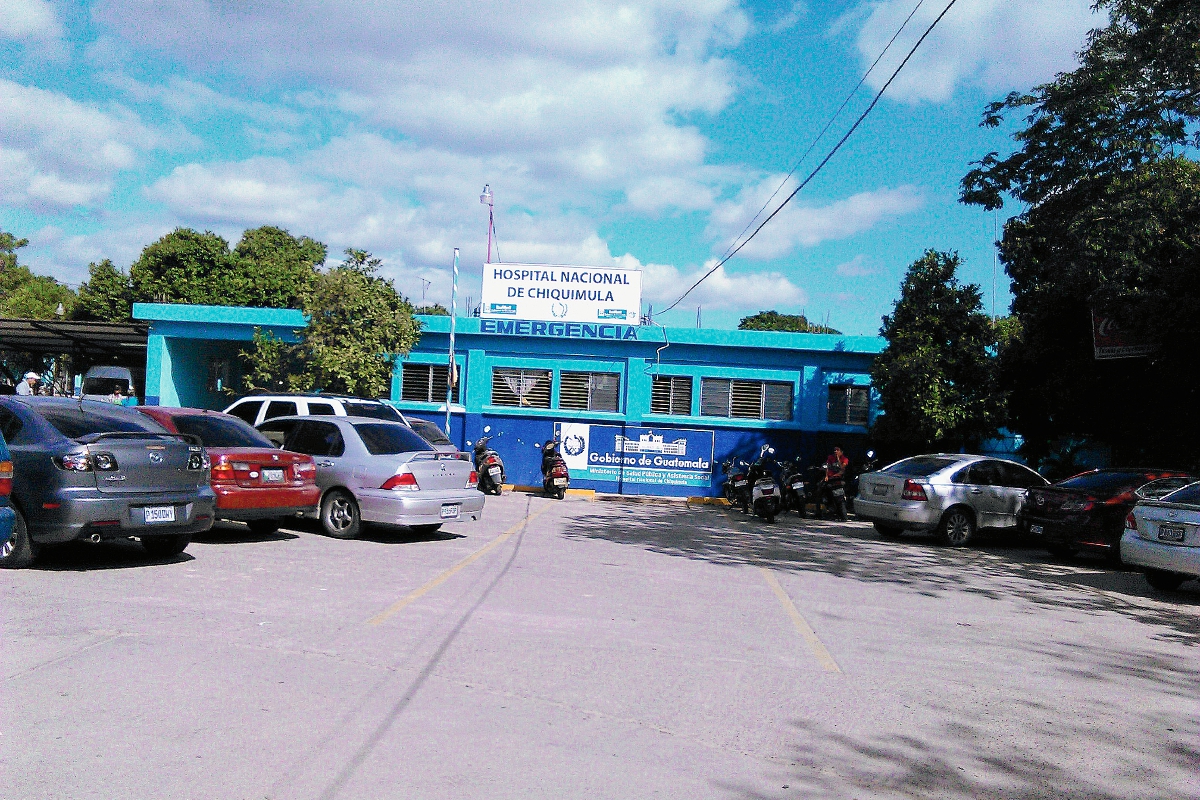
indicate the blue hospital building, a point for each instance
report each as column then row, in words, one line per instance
column 640, row 409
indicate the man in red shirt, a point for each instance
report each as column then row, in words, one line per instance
column 835, row 482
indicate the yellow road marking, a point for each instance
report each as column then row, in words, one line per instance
column 416, row 594
column 806, row 631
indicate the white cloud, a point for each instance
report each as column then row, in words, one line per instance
column 28, row 19
column 998, row 45
column 858, row 267
column 58, row 152
column 801, row 225
column 662, row 284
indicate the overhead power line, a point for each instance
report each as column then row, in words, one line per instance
column 812, row 145
column 833, row 151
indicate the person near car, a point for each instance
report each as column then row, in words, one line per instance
column 27, row 387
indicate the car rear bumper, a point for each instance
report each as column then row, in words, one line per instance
column 1141, row 552
column 81, row 515
column 424, row 508
column 908, row 515
column 242, row 503
column 1073, row 532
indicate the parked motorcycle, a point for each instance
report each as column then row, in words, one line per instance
column 870, row 464
column 556, row 478
column 764, row 493
column 489, row 466
column 793, row 491
column 737, row 485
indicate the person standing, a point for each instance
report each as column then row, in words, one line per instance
column 28, row 386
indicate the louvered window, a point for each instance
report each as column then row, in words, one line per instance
column 425, row 383
column 525, row 388
column 671, row 394
column 745, row 399
column 849, row 405
column 590, row 391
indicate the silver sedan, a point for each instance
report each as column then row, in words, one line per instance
column 951, row 494
column 1163, row 538
column 372, row 470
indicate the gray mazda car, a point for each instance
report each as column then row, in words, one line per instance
column 95, row 471
column 372, row 470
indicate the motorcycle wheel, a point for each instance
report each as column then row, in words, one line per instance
column 560, row 493
column 497, row 489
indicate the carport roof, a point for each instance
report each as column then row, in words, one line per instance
column 80, row 337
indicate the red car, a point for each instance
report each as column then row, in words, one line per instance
column 255, row 483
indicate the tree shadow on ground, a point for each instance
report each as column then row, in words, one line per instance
column 226, row 532
column 379, row 533
column 964, row 759
column 113, row 554
column 996, row 569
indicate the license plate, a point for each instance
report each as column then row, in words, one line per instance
column 159, row 514
column 560, row 481
column 797, row 486
column 1170, row 533
column 879, row 490
column 449, row 512
column 1036, row 529
column 272, row 476
column 494, row 472
column 739, row 483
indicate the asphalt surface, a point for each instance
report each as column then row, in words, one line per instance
column 594, row 650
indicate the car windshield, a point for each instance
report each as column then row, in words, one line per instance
column 105, row 386
column 74, row 423
column 1188, row 494
column 217, row 431
column 429, row 432
column 1105, row 484
column 374, row 411
column 388, row 440
column 920, row 466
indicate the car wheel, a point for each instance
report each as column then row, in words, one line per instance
column 426, row 529
column 20, row 550
column 1063, row 551
column 957, row 528
column 1164, row 581
column 888, row 531
column 263, row 527
column 339, row 515
column 166, row 546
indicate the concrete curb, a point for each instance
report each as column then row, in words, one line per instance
column 587, row 494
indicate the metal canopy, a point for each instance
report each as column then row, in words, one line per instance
column 95, row 340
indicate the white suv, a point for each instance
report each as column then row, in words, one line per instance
column 258, row 408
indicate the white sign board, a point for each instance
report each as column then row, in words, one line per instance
column 557, row 293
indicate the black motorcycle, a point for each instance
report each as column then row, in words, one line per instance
column 737, row 484
column 556, row 478
column 793, row 491
column 489, row 467
column 870, row 464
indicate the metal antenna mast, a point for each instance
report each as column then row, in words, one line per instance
column 486, row 199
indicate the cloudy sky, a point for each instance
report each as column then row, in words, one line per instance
column 643, row 133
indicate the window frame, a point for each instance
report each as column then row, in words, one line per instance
column 849, row 390
column 671, row 381
column 733, row 385
column 541, row 372
column 592, row 376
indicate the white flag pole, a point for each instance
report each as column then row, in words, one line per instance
column 451, row 372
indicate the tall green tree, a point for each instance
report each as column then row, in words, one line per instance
column 24, row 294
column 186, row 266
column 1111, row 226
column 106, row 296
column 936, row 377
column 276, row 269
column 358, row 326
column 774, row 321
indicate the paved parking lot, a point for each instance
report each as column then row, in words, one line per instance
column 594, row 650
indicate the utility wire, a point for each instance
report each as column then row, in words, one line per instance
column 824, row 161
column 828, row 124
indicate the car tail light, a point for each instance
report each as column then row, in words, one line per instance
column 473, row 480
column 6, row 473
column 914, row 491
column 74, row 462
column 304, row 470
column 1130, row 522
column 222, row 471
column 403, row 482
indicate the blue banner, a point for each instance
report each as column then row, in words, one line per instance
column 627, row 454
